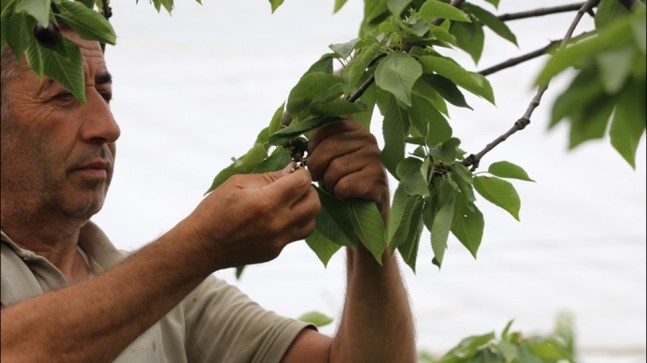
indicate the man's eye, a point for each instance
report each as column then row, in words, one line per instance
column 107, row 96
column 64, row 97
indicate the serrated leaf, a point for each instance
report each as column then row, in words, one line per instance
column 20, row 27
column 499, row 192
column 341, row 230
column 405, row 230
column 279, row 159
column 447, row 89
column 38, row 9
column 313, row 87
column 243, row 165
column 397, row 73
column 506, row 169
column 434, row 9
column 491, row 21
column 411, row 177
column 395, row 127
column 470, row 81
column 369, row 227
column 293, row 131
column 442, row 221
column 323, row 247
column 470, row 38
column 344, row 50
column 86, row 22
column 468, row 224
column 628, row 124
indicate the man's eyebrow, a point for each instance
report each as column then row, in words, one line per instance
column 103, row 78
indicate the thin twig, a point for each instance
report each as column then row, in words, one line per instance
column 541, row 12
column 528, row 56
column 473, row 160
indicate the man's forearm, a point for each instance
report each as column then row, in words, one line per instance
column 94, row 320
column 376, row 324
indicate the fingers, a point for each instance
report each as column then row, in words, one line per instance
column 345, row 160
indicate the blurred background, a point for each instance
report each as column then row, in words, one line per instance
column 193, row 89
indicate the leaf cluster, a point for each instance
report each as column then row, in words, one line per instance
column 607, row 94
column 512, row 347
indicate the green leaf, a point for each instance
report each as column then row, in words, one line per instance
column 67, row 70
column 491, row 21
column 275, row 123
column 607, row 11
column 397, row 6
column 615, row 67
column 408, row 230
column 499, row 192
column 435, row 9
column 448, row 68
column 86, row 22
column 447, row 90
column 395, row 127
column 628, row 124
column 20, row 27
column 275, row 4
column 323, row 247
column 369, row 227
column 400, row 216
column 506, row 169
column 437, row 128
column 468, row 224
column 616, row 35
column 338, row 5
column 442, row 220
column 279, row 159
column 313, row 87
column 336, row 108
column 243, row 165
column 293, row 131
column 344, row 50
column 316, row 318
column 397, row 73
column 38, row 9
column 411, row 178
column 590, row 122
column 334, row 220
column 463, row 178
column 470, row 38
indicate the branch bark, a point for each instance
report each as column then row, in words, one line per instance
column 541, row 12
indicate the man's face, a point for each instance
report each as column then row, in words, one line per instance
column 57, row 154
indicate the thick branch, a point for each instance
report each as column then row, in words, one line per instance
column 473, row 160
column 541, row 12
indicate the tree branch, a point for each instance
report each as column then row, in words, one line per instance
column 473, row 160
column 542, row 11
column 528, row 56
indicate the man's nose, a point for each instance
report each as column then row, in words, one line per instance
column 98, row 125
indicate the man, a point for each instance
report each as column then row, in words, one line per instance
column 69, row 296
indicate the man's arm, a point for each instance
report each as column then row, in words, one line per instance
column 248, row 219
column 376, row 324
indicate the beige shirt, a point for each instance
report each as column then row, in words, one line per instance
column 216, row 322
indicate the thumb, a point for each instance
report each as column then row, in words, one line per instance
column 257, row 181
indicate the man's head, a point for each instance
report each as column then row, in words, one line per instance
column 57, row 154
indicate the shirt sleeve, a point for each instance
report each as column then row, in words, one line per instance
column 225, row 325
